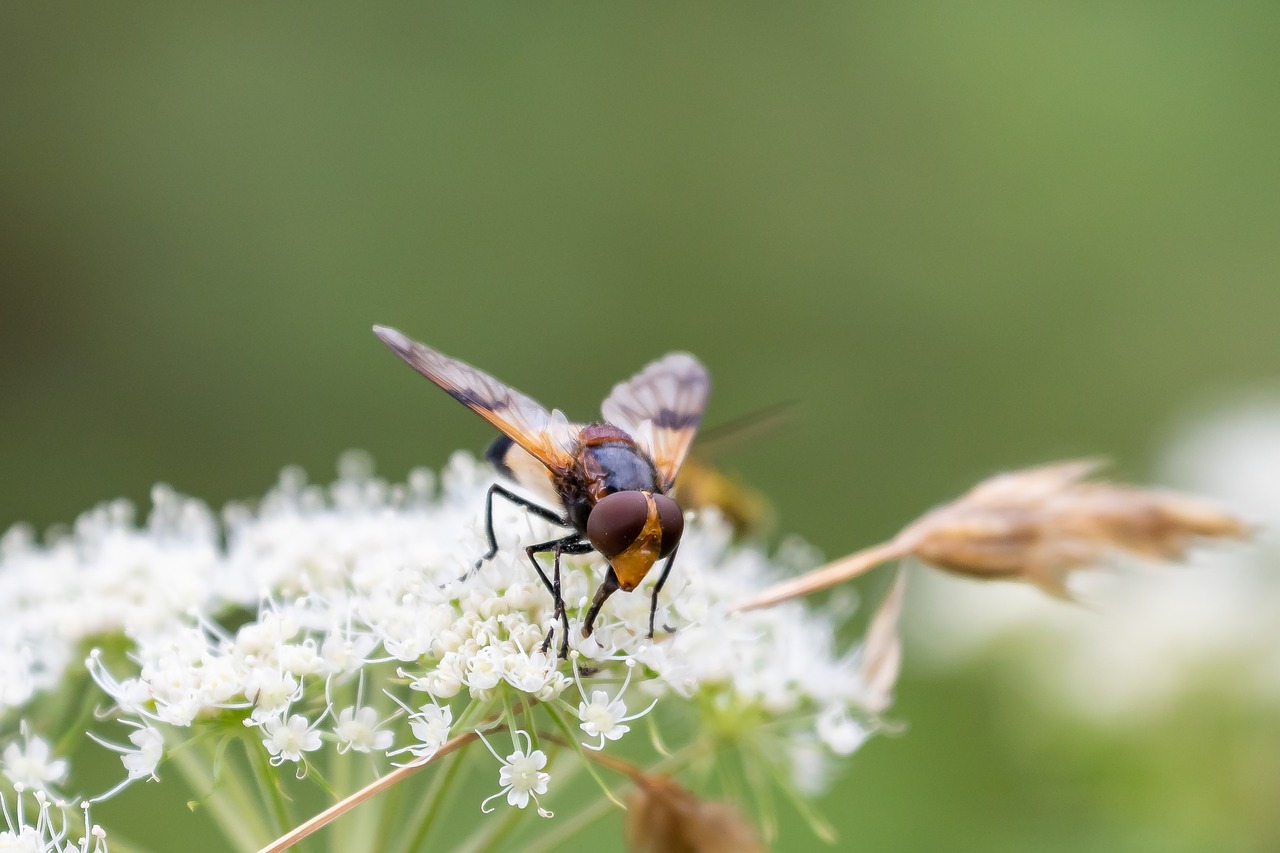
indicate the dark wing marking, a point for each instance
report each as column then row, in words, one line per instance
column 547, row 436
column 661, row 407
column 516, row 463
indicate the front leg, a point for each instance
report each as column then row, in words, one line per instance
column 657, row 588
column 607, row 588
column 571, row 544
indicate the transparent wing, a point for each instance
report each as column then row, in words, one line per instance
column 515, row 462
column 661, row 407
column 547, row 436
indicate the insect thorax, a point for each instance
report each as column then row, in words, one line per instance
column 606, row 467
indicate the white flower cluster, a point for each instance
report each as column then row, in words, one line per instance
column 52, row 827
column 1151, row 633
column 351, row 616
column 102, row 577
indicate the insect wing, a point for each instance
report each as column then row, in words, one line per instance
column 547, row 436
column 518, row 464
column 661, row 407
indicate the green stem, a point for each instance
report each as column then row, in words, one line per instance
column 232, row 808
column 354, row 832
column 488, row 837
column 340, row 770
column 269, row 782
column 80, row 724
column 372, row 817
column 367, row 823
column 566, row 829
column 424, row 816
column 120, row 845
column 817, row 823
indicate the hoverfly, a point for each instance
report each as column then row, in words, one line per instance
column 607, row 482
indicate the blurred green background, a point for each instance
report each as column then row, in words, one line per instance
column 962, row 236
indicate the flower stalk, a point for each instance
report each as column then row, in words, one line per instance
column 1036, row 525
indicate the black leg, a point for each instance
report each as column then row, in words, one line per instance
column 608, row 588
column 657, row 588
column 541, row 512
column 571, row 544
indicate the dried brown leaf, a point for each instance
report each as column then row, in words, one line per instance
column 665, row 817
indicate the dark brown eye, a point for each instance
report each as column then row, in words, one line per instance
column 671, row 519
column 616, row 521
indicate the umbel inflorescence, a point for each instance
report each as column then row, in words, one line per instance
column 334, row 633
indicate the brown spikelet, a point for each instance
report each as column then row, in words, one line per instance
column 664, row 817
column 1041, row 523
column 1036, row 525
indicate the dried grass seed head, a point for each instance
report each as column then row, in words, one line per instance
column 1041, row 523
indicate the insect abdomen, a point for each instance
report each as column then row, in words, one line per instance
column 619, row 468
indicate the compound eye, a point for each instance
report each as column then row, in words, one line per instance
column 616, row 522
column 671, row 519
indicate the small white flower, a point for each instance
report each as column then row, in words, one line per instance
column 342, row 653
column 532, row 674
column 521, row 775
column 270, row 691
column 139, row 762
column 287, row 741
column 430, row 725
column 483, row 671
column 300, row 658
column 839, row 732
column 31, row 764
column 142, row 761
column 357, row 729
column 443, row 682
column 47, row 834
column 603, row 717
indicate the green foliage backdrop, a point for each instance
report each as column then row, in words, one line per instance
column 962, row 236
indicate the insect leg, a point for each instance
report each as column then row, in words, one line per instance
column 571, row 548
column 571, row 544
column 540, row 511
column 657, row 588
column 607, row 588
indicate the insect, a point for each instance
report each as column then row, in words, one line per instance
column 607, row 482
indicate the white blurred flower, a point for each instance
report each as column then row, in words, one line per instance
column 430, row 726
column 50, row 829
column 358, row 729
column 839, row 732
column 31, row 763
column 1150, row 635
